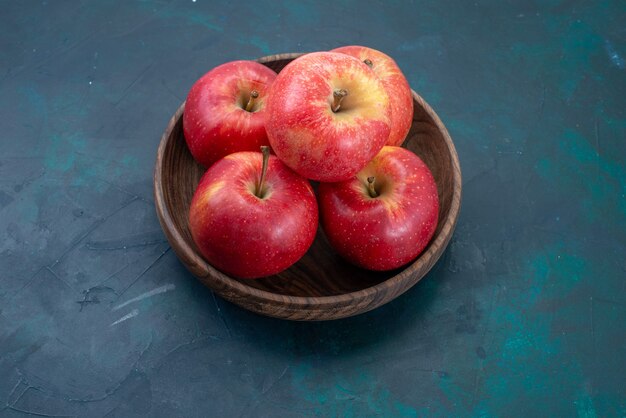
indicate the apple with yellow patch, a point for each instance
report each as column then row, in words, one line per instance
column 385, row 216
column 251, row 216
column 328, row 116
column 396, row 85
column 225, row 111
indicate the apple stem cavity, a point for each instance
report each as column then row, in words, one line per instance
column 338, row 96
column 253, row 95
column 370, row 187
column 260, row 190
column 368, row 62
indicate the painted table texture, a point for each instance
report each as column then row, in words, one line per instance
column 523, row 316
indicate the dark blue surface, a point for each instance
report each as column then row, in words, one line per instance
column 523, row 316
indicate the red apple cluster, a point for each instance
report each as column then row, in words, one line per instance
column 335, row 117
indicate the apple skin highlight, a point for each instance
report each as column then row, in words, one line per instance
column 245, row 235
column 312, row 139
column 387, row 231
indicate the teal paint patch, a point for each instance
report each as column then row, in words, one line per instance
column 37, row 102
column 404, row 410
column 554, row 272
column 526, row 349
column 580, row 44
column 62, row 150
column 602, row 404
column 614, row 56
column 584, row 407
column 471, row 131
column 563, row 64
column 543, row 167
column 551, row 3
column 579, row 168
column 302, row 12
column 262, row 45
column 530, row 356
column 346, row 394
column 29, row 211
column 72, row 155
column 192, row 16
column 521, row 368
column 426, row 89
column 91, row 171
column 128, row 161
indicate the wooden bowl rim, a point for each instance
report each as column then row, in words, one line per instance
column 291, row 302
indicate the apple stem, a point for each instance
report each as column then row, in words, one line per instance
column 368, row 62
column 370, row 187
column 253, row 95
column 338, row 96
column 265, row 150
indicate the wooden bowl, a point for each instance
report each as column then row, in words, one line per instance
column 321, row 286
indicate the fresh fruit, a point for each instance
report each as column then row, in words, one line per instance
column 251, row 216
column 396, row 85
column 225, row 111
column 385, row 216
column 328, row 115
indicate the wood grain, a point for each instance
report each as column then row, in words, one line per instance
column 321, row 286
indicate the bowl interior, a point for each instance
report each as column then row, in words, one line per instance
column 321, row 272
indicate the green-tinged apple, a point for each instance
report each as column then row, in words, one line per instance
column 385, row 216
column 225, row 111
column 328, row 115
column 395, row 83
column 252, row 216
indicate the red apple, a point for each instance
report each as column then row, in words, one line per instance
column 328, row 115
column 251, row 216
column 386, row 215
column 225, row 111
column 396, row 85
